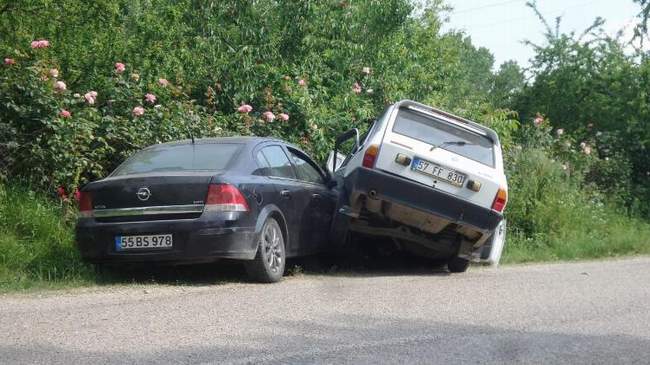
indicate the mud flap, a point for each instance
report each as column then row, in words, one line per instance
column 493, row 248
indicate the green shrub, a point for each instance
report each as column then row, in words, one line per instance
column 554, row 214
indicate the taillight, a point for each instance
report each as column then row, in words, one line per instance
column 225, row 198
column 370, row 156
column 85, row 204
column 500, row 200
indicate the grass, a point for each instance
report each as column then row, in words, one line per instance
column 37, row 245
column 619, row 238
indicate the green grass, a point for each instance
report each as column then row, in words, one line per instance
column 37, row 244
column 620, row 238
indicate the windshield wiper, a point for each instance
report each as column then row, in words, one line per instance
column 454, row 143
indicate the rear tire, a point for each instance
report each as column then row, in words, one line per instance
column 268, row 265
column 457, row 265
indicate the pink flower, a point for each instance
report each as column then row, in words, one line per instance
column 559, row 132
column 365, row 70
column 60, row 191
column 283, row 117
column 268, row 116
column 587, row 150
column 76, row 194
column 356, row 88
column 10, row 61
column 245, row 108
column 42, row 43
column 60, row 86
column 138, row 111
column 90, row 97
column 302, row 82
column 538, row 120
column 150, row 98
column 54, row 72
column 64, row 113
column 120, row 67
column 163, row 82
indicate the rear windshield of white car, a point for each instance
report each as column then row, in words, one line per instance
column 181, row 157
column 445, row 135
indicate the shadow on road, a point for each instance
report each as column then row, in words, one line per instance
column 358, row 339
column 362, row 262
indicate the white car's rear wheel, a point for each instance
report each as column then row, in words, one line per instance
column 458, row 264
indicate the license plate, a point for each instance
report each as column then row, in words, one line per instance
column 143, row 242
column 438, row 172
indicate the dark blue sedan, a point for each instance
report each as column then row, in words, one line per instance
column 259, row 200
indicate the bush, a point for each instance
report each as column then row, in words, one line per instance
column 553, row 214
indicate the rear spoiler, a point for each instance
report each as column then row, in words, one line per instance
column 481, row 129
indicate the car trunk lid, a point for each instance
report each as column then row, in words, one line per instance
column 150, row 190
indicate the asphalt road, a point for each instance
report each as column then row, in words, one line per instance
column 579, row 313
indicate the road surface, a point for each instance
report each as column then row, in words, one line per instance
column 577, row 313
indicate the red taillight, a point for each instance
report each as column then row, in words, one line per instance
column 370, row 156
column 500, row 200
column 85, row 204
column 225, row 198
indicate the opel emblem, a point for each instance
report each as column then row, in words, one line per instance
column 144, row 194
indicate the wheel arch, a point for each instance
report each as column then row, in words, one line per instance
column 272, row 211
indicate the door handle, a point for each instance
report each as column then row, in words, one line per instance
column 316, row 196
column 285, row 194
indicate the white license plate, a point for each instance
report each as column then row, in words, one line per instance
column 143, row 242
column 438, row 172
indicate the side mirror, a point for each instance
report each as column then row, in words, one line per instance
column 334, row 161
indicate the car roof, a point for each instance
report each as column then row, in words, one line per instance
column 241, row 139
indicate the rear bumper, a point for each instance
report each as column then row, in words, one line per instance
column 405, row 192
column 203, row 239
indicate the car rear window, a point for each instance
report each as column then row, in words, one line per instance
column 183, row 157
column 444, row 135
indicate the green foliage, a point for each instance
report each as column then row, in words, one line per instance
column 591, row 87
column 352, row 57
column 36, row 244
column 555, row 214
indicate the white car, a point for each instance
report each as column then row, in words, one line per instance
column 429, row 180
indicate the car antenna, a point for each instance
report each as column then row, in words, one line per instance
column 189, row 130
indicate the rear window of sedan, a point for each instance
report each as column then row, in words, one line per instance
column 445, row 135
column 182, row 157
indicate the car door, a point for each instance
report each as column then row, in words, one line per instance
column 290, row 198
column 317, row 214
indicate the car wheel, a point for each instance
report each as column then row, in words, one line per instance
column 457, row 264
column 268, row 265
